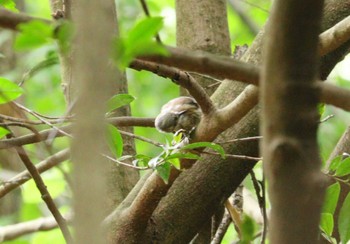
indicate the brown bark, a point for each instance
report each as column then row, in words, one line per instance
column 289, row 122
column 195, row 195
column 94, row 79
column 202, row 25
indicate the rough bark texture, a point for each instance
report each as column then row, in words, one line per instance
column 289, row 121
column 202, row 25
column 197, row 193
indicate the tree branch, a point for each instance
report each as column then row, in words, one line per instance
column 46, row 134
column 332, row 38
column 181, row 78
column 45, row 195
column 11, row 20
column 41, row 167
column 15, row 231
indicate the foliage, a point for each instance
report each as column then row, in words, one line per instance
column 38, row 70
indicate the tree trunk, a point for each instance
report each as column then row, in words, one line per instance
column 290, row 120
column 197, row 193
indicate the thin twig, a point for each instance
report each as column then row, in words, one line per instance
column 141, row 138
column 259, row 188
column 221, row 231
column 124, row 164
column 234, row 156
column 181, row 78
column 32, row 122
column 41, row 167
column 326, row 118
column 45, row 194
column 146, row 10
column 40, row 117
column 15, row 231
column 252, row 138
column 45, row 134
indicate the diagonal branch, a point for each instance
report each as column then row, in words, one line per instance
column 41, row 167
column 181, row 78
column 45, row 194
column 15, row 231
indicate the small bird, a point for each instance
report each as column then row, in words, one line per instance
column 180, row 114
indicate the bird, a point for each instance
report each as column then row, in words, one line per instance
column 181, row 114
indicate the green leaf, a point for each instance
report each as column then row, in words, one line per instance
column 343, row 168
column 211, row 145
column 3, row 132
column 115, row 141
column 175, row 162
column 141, row 160
column 140, row 41
column 9, row 4
column 182, row 155
column 144, row 30
column 331, row 198
column 335, row 163
column 9, row 90
column 248, row 229
column 164, row 171
column 118, row 101
column 321, row 108
column 33, row 35
column 64, row 36
column 344, row 220
column 327, row 223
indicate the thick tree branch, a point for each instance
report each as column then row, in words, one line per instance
column 332, row 38
column 180, row 78
column 212, row 179
column 289, row 121
column 222, row 67
column 41, row 167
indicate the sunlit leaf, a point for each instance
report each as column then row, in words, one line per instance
column 327, row 223
column 344, row 220
column 139, row 41
column 343, row 167
column 331, row 198
column 33, row 34
column 164, row 171
column 182, row 155
column 146, row 29
column 335, row 163
column 211, row 145
column 321, row 108
column 9, row 4
column 175, row 162
column 115, row 141
column 9, row 90
column 118, row 101
column 3, row 132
